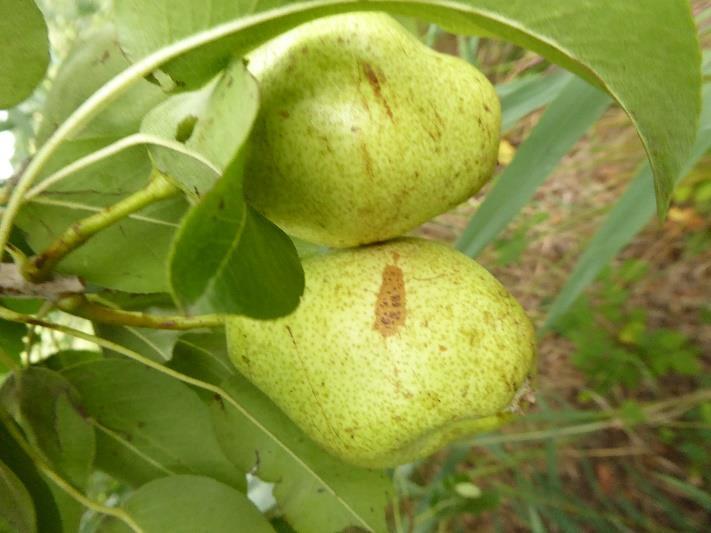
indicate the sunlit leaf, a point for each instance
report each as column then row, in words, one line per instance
column 213, row 122
column 25, row 50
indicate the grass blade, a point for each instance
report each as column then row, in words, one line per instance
column 567, row 119
column 631, row 213
column 695, row 494
column 522, row 96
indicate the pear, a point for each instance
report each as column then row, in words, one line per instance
column 395, row 350
column 364, row 133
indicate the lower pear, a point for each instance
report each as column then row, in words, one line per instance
column 395, row 350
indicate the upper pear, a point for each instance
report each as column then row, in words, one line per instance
column 365, row 133
column 395, row 350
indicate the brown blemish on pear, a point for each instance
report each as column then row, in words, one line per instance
column 375, row 83
column 390, row 308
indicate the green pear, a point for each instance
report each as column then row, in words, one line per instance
column 364, row 133
column 395, row 350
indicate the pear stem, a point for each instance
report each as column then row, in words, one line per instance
column 39, row 267
column 80, row 306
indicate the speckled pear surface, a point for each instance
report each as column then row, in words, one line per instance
column 395, row 350
column 364, row 133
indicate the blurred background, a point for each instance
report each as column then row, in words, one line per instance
column 619, row 433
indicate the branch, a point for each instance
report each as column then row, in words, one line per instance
column 79, row 306
column 40, row 267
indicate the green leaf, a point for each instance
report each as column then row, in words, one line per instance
column 67, row 358
column 187, row 504
column 650, row 67
column 156, row 344
column 127, row 256
column 144, row 237
column 200, row 120
column 149, row 425
column 203, row 356
column 93, row 60
column 25, row 50
column 565, row 121
column 17, row 512
column 11, row 344
column 627, row 218
column 47, row 513
column 179, row 19
column 524, row 95
column 227, row 258
column 258, row 436
column 50, row 412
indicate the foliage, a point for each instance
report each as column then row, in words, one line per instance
column 144, row 123
column 614, row 346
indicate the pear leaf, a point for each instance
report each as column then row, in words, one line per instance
column 189, row 503
column 227, row 258
column 144, row 237
column 25, row 50
column 17, row 512
column 199, row 120
column 51, row 413
column 259, row 437
column 148, row 424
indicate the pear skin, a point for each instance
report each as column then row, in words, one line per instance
column 395, row 350
column 364, row 133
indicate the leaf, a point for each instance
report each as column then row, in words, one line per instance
column 179, row 19
column 145, row 236
column 127, row 256
column 11, row 344
column 200, row 120
column 25, row 50
column 567, row 119
column 49, row 411
column 46, row 511
column 93, row 60
column 17, row 512
column 524, row 95
column 650, row 67
column 156, row 344
column 629, row 215
column 67, row 358
column 227, row 258
column 187, row 504
column 149, row 425
column 203, row 356
column 259, row 436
